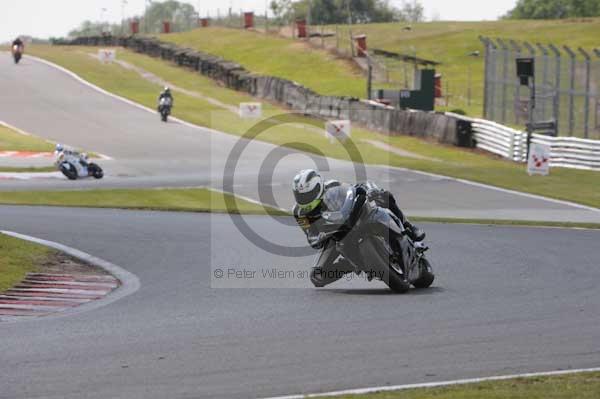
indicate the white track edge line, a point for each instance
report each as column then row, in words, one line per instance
column 130, row 283
column 248, row 199
column 16, row 129
column 469, row 182
column 388, row 388
column 495, row 188
column 25, row 133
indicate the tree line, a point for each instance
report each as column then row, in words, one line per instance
column 346, row 11
column 554, row 9
column 182, row 17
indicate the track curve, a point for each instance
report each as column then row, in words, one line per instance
column 52, row 104
column 523, row 301
column 506, row 299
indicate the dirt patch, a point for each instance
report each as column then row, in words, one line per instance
column 59, row 263
column 152, row 78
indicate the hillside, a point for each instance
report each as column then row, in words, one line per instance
column 277, row 56
column 446, row 42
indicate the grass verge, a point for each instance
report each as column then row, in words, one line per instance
column 14, row 141
column 189, row 199
column 448, row 42
column 569, row 386
column 17, row 258
column 206, row 200
column 567, row 184
column 504, row 222
column 277, row 56
column 27, row 169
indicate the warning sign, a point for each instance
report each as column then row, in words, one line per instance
column 250, row 110
column 338, row 130
column 539, row 159
column 107, row 55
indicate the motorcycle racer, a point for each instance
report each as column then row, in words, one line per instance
column 309, row 189
column 166, row 93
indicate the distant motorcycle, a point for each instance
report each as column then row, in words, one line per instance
column 17, row 52
column 164, row 108
column 374, row 241
column 76, row 166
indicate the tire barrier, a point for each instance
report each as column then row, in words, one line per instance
column 384, row 119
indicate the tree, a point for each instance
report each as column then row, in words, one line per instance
column 181, row 15
column 89, row 28
column 554, row 9
column 336, row 11
column 413, row 11
column 282, row 9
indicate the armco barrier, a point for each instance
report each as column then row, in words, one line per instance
column 568, row 152
column 384, row 119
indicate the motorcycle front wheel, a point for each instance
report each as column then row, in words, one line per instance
column 377, row 252
column 69, row 172
column 164, row 116
column 426, row 277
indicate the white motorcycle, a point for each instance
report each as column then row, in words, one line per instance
column 75, row 165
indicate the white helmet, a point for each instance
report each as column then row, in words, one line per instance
column 59, row 148
column 308, row 189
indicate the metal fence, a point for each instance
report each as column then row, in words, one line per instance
column 567, row 83
column 568, row 152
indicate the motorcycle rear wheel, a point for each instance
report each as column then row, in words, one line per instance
column 96, row 170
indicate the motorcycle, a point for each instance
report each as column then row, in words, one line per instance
column 164, row 108
column 374, row 240
column 75, row 166
column 17, row 53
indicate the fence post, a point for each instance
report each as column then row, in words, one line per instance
column 597, row 102
column 369, row 77
column 486, row 71
column 586, row 111
column 266, row 22
column 556, row 104
column 505, row 52
column 533, row 96
column 544, row 84
column 571, row 90
column 351, row 42
column 493, row 76
column 517, row 49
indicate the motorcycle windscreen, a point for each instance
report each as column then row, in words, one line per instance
column 339, row 202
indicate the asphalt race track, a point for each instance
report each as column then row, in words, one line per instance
column 506, row 299
column 526, row 300
column 51, row 104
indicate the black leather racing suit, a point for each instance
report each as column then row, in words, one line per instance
column 165, row 94
column 327, row 270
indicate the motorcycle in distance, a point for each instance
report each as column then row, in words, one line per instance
column 164, row 108
column 374, row 240
column 17, row 52
column 75, row 165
